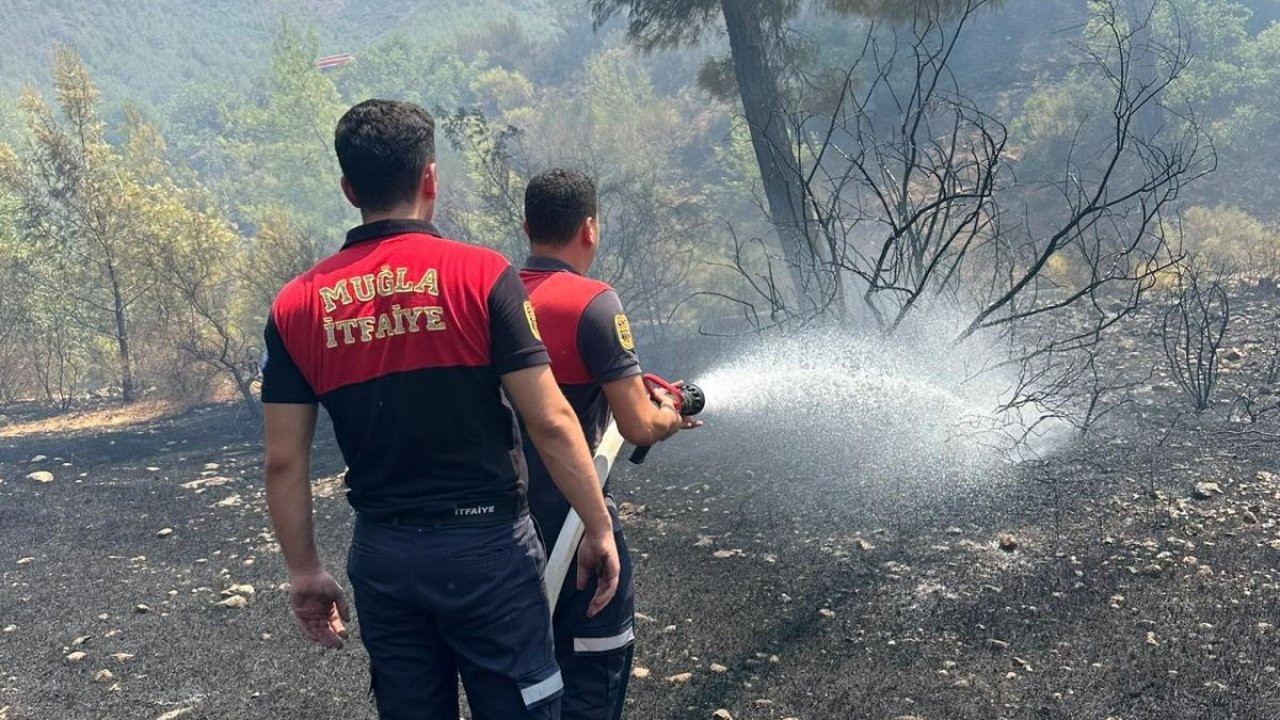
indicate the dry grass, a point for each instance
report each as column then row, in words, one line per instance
column 102, row 418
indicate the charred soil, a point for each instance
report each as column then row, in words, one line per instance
column 1131, row 575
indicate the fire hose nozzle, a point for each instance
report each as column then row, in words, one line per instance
column 689, row 399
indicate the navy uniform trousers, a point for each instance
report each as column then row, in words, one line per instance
column 595, row 654
column 436, row 603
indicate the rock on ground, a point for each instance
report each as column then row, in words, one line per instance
column 1206, row 490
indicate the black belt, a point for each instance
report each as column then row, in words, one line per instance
column 480, row 512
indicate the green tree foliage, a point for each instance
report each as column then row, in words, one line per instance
column 761, row 59
column 33, row 340
column 199, row 304
column 109, row 252
column 610, row 122
column 278, row 148
column 225, row 133
column 633, row 142
column 278, row 251
column 140, row 53
column 403, row 67
column 490, row 211
column 1228, row 237
column 147, row 50
column 76, row 204
column 1232, row 87
column 1228, row 88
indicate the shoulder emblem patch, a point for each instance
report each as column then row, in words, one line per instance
column 624, row 332
column 533, row 320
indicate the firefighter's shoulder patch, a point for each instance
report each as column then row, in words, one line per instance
column 533, row 320
column 624, row 332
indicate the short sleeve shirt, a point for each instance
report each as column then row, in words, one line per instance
column 588, row 338
column 403, row 336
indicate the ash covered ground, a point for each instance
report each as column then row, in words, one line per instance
column 1128, row 575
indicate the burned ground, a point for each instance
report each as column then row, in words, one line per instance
column 1098, row 583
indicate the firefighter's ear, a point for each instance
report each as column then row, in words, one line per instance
column 428, row 188
column 590, row 232
column 524, row 224
column 349, row 192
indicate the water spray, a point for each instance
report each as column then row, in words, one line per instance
column 859, row 410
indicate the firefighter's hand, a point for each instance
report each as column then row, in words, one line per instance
column 661, row 397
column 666, row 403
column 320, row 607
column 598, row 556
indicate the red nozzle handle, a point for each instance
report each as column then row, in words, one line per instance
column 652, row 381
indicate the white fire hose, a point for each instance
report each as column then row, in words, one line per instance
column 566, row 545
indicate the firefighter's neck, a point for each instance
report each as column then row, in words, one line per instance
column 575, row 255
column 422, row 206
column 420, row 209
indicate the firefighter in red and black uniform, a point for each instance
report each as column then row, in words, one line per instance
column 593, row 357
column 409, row 341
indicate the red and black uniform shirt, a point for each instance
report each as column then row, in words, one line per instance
column 402, row 336
column 589, row 340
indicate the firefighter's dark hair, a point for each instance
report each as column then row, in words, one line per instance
column 556, row 203
column 383, row 148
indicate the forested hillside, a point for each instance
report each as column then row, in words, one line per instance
column 858, row 164
column 147, row 49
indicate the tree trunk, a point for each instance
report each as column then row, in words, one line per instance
column 1147, row 121
column 250, row 401
column 763, row 105
column 122, row 337
column 245, row 385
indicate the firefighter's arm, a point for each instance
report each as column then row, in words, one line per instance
column 317, row 600
column 554, row 430
column 289, row 430
column 520, row 359
column 640, row 421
